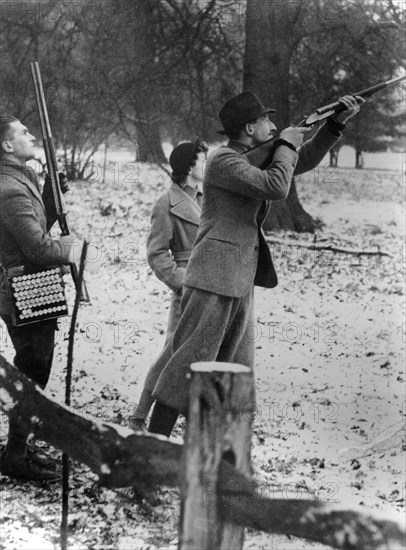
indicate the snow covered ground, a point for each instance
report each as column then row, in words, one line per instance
column 329, row 341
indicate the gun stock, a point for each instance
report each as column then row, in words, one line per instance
column 52, row 166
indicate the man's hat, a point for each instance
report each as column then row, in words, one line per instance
column 241, row 109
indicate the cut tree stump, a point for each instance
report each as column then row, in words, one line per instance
column 122, row 458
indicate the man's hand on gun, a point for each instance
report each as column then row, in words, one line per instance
column 352, row 106
column 93, row 254
column 294, row 135
column 63, row 182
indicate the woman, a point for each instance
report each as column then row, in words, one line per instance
column 174, row 224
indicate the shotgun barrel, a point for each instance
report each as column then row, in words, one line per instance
column 52, row 166
column 266, row 150
column 324, row 112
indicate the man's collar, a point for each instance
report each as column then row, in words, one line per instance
column 238, row 146
column 10, row 159
column 8, row 162
column 22, row 168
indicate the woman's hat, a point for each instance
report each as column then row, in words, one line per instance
column 183, row 155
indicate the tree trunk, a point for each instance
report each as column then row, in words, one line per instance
column 290, row 215
column 142, row 98
column 149, row 146
column 334, row 156
column 267, row 60
column 359, row 159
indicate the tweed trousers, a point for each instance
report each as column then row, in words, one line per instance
column 212, row 327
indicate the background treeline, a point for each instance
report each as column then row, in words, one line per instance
column 149, row 71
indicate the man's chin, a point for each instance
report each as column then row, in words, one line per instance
column 36, row 155
column 34, row 158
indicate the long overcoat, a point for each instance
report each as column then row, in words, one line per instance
column 174, row 224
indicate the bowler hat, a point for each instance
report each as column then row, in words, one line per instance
column 241, row 109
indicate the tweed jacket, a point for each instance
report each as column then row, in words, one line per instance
column 24, row 224
column 174, row 224
column 230, row 252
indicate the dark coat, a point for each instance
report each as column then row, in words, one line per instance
column 24, row 225
column 230, row 252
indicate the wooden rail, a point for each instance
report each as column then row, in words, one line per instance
column 122, row 458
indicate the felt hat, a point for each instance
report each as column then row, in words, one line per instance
column 241, row 109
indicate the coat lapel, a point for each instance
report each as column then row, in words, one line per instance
column 183, row 206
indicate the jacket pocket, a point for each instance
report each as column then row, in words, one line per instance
column 219, row 251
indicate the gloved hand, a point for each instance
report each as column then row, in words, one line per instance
column 295, row 136
column 352, row 106
column 63, row 183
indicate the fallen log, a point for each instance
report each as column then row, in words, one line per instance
column 328, row 247
column 122, row 458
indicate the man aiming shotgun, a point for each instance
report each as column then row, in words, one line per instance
column 230, row 254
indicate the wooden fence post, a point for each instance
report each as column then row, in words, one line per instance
column 222, row 403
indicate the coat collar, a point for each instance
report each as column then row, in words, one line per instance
column 182, row 205
column 25, row 175
column 237, row 146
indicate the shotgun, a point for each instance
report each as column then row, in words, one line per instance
column 52, row 166
column 324, row 112
column 320, row 114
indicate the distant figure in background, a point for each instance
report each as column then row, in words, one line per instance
column 174, row 225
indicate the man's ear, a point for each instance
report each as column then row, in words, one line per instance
column 6, row 146
column 249, row 130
